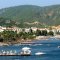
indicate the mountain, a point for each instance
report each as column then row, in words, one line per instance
column 24, row 14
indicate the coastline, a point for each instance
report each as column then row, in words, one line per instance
column 3, row 44
column 29, row 41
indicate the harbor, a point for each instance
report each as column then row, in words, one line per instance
column 24, row 52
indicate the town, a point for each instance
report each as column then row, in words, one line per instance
column 15, row 34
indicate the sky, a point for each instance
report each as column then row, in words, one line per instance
column 10, row 3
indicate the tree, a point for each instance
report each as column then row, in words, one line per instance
column 44, row 32
column 38, row 32
column 31, row 31
column 51, row 33
column 58, row 32
column 9, row 35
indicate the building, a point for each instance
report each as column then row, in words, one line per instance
column 2, row 28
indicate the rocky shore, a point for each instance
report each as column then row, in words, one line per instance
column 3, row 44
column 28, row 41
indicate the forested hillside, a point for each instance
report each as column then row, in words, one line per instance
column 30, row 15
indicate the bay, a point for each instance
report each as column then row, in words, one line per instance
column 48, row 47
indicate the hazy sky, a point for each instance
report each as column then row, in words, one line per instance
column 9, row 3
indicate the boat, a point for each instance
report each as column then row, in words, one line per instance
column 8, row 53
column 39, row 53
column 58, row 46
column 25, row 51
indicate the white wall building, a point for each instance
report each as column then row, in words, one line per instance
column 34, row 29
column 27, row 30
column 2, row 28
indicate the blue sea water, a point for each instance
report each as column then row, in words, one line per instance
column 49, row 47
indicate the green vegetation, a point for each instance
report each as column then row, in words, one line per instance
column 18, row 15
column 11, row 36
column 58, row 32
column 25, row 36
column 51, row 33
column 44, row 33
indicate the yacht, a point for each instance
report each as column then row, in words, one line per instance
column 25, row 51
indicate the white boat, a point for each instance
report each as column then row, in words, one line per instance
column 58, row 46
column 7, row 53
column 25, row 51
column 39, row 53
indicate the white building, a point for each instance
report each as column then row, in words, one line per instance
column 16, row 29
column 27, row 30
column 2, row 28
column 34, row 29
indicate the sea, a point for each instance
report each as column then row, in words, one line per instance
column 50, row 49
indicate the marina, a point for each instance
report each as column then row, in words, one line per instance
column 25, row 51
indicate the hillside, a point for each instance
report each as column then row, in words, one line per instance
column 18, row 15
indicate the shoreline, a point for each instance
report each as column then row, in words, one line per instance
column 28, row 41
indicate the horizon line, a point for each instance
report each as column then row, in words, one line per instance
column 30, row 5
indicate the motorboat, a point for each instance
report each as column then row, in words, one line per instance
column 58, row 46
column 25, row 51
column 39, row 53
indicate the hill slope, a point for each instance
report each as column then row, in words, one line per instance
column 18, row 15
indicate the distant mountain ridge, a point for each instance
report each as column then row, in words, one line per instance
column 48, row 15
